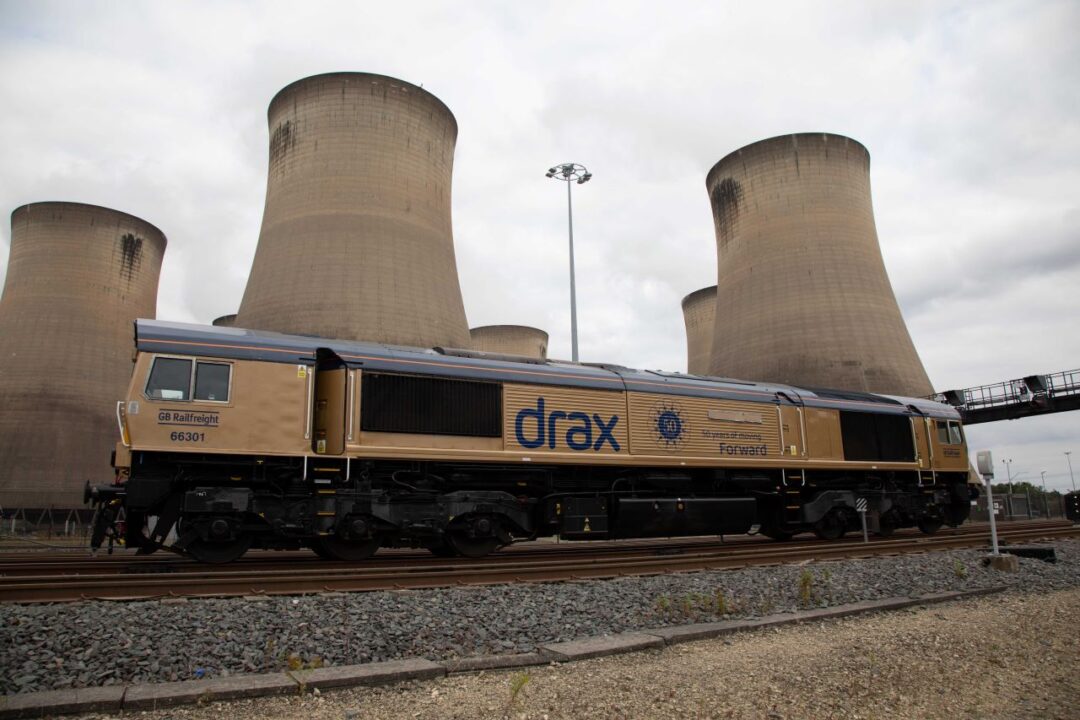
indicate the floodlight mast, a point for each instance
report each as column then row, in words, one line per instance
column 571, row 173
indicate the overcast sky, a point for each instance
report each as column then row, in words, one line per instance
column 970, row 112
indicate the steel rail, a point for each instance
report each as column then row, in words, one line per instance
column 208, row 583
column 165, row 562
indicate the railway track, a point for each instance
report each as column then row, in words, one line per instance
column 80, row 562
column 124, row 561
column 129, row 579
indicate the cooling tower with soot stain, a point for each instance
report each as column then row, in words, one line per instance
column 699, row 314
column 510, row 340
column 801, row 279
column 78, row 277
column 356, row 238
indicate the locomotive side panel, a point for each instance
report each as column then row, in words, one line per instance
column 823, row 434
column 565, row 424
column 703, row 428
column 792, row 432
column 949, row 446
column 922, row 427
column 249, row 407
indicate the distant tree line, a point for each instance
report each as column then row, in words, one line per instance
column 1026, row 488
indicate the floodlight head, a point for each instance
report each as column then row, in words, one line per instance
column 549, row 174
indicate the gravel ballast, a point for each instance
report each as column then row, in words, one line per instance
column 104, row 643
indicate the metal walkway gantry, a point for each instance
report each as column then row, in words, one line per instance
column 1012, row 399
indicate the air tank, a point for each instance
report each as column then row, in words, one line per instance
column 78, row 276
column 356, row 237
column 800, row 276
column 510, row 340
column 699, row 314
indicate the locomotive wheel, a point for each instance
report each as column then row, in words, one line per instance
column 443, row 549
column 886, row 525
column 472, row 547
column 930, row 524
column 831, row 527
column 219, row 553
column 475, row 536
column 776, row 534
column 334, row 548
column 319, row 550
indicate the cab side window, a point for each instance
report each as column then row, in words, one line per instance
column 212, row 381
column 949, row 433
column 170, row 379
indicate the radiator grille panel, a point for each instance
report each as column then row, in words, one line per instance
column 430, row 406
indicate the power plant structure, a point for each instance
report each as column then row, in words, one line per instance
column 510, row 340
column 699, row 314
column 356, row 238
column 225, row 321
column 78, row 277
column 800, row 276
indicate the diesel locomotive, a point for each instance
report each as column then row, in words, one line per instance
column 232, row 439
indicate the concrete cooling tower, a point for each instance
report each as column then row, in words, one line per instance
column 356, row 239
column 226, row 321
column 510, row 340
column 78, row 276
column 699, row 313
column 805, row 294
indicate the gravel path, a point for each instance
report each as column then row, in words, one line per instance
column 1011, row 657
column 101, row 643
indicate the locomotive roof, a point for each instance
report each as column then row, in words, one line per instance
column 243, row 344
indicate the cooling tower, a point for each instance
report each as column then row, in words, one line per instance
column 699, row 313
column 510, row 340
column 805, row 294
column 78, row 276
column 356, row 238
column 226, row 321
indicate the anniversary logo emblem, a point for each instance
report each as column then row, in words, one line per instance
column 670, row 426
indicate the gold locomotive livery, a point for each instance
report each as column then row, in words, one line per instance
column 233, row 438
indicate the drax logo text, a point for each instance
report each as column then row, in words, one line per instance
column 536, row 428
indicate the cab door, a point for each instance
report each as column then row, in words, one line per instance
column 792, row 430
column 329, row 400
column 921, row 429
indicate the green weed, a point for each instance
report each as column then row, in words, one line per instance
column 517, row 684
column 721, row 603
column 806, row 588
